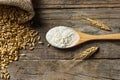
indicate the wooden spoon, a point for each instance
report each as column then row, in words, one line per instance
column 82, row 37
column 86, row 37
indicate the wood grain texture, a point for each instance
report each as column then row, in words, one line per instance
column 66, row 2
column 55, row 70
column 45, row 63
column 74, row 14
column 76, row 4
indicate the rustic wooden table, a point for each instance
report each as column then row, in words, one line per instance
column 47, row 63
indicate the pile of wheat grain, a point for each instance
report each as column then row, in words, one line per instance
column 14, row 36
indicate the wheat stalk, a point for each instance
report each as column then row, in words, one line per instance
column 97, row 23
column 85, row 54
column 79, row 57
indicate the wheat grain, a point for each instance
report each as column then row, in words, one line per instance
column 48, row 45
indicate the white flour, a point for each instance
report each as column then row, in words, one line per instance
column 62, row 37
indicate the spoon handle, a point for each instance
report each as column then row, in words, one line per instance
column 107, row 37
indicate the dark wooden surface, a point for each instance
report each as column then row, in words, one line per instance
column 47, row 63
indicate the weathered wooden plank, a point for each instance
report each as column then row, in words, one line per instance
column 44, row 25
column 44, row 54
column 66, row 2
column 74, row 14
column 76, row 6
column 56, row 70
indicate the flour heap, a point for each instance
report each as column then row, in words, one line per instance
column 62, row 37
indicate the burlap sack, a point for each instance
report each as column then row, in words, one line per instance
column 23, row 4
